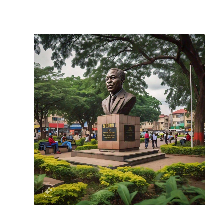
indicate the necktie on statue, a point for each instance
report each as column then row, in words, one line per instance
column 112, row 101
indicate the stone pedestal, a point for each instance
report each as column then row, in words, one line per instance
column 118, row 132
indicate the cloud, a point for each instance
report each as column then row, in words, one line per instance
column 44, row 58
column 157, row 90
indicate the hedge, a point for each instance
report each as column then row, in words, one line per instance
column 195, row 170
column 146, row 173
column 61, row 169
column 64, row 194
column 86, row 147
column 170, row 149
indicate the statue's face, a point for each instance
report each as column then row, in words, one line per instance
column 113, row 82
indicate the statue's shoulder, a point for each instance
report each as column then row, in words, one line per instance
column 105, row 99
column 129, row 95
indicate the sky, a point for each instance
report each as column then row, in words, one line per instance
column 154, row 83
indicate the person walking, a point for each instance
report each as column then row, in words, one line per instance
column 154, row 140
column 166, row 138
column 146, row 139
column 175, row 141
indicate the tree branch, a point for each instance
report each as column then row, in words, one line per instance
column 166, row 38
column 151, row 61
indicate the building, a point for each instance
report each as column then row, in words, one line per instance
column 57, row 124
column 161, row 124
column 52, row 124
column 181, row 119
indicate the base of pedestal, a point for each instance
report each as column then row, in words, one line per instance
column 119, row 150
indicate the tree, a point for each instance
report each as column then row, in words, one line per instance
column 139, row 55
column 147, row 108
column 82, row 101
column 47, row 94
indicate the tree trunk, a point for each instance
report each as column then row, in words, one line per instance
column 200, row 116
column 90, row 127
column 43, row 134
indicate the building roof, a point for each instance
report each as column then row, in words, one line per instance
column 181, row 111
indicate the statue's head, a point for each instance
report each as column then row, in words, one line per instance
column 114, row 80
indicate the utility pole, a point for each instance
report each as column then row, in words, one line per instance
column 191, row 108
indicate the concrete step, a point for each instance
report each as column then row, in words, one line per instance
column 96, row 162
column 115, row 156
column 144, row 159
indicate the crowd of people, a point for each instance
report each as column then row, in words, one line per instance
column 167, row 137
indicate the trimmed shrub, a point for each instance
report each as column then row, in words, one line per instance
column 61, row 169
column 141, row 140
column 195, row 170
column 64, row 194
column 80, row 142
column 146, row 173
column 87, row 147
column 36, row 145
column 87, row 172
column 110, row 177
column 170, row 149
column 94, row 141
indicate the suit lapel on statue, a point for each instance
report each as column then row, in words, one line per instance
column 118, row 102
column 108, row 104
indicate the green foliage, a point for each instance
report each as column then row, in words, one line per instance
column 38, row 182
column 87, row 147
column 146, row 173
column 47, row 92
column 147, row 108
column 58, row 169
column 110, row 177
column 36, row 145
column 98, row 53
column 170, row 149
column 36, row 151
column 80, row 142
column 63, row 194
column 174, row 195
column 94, row 141
column 86, row 172
column 191, row 190
column 82, row 100
column 195, row 170
column 102, row 197
column 142, row 140
column 61, row 169
column 125, row 195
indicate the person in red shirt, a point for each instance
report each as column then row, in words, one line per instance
column 52, row 142
column 188, row 137
column 146, row 139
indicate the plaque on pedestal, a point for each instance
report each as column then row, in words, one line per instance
column 129, row 133
column 109, row 132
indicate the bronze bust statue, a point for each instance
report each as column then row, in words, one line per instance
column 119, row 101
